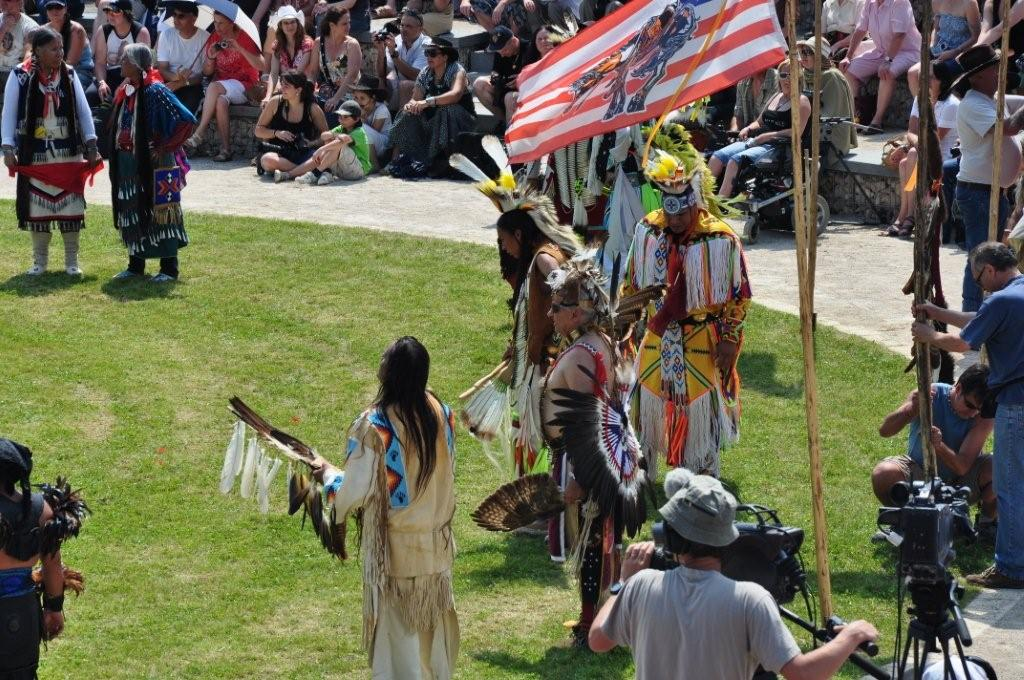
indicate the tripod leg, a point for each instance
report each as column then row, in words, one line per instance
column 963, row 659
column 919, row 660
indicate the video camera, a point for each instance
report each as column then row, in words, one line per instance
column 929, row 517
column 390, row 29
column 766, row 553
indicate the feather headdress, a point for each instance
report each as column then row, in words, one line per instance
column 677, row 166
column 581, row 281
column 509, row 193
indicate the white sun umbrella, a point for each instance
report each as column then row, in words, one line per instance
column 235, row 14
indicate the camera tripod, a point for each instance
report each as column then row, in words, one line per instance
column 936, row 621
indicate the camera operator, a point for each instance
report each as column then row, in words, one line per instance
column 999, row 326
column 400, row 58
column 961, row 422
column 693, row 622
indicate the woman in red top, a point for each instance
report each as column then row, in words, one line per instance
column 234, row 62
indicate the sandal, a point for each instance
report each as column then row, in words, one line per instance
column 906, row 228
column 892, row 230
column 222, row 157
column 192, row 144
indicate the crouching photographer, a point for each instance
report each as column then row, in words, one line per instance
column 694, row 622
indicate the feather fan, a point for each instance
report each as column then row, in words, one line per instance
column 233, row 458
column 69, row 511
column 520, row 503
column 604, row 451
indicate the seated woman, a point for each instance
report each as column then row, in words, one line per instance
column 233, row 63
column 836, row 97
column 897, row 47
column 290, row 48
column 374, row 114
column 441, row 107
column 338, row 60
column 292, row 121
column 77, row 50
column 773, row 126
column 905, row 157
column 108, row 46
column 956, row 26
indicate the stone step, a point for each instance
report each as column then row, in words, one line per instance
column 481, row 61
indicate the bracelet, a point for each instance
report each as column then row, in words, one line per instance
column 53, row 603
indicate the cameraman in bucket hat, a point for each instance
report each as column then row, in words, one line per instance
column 693, row 622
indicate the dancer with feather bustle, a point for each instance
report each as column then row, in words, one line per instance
column 597, row 458
column 689, row 385
column 534, row 244
column 400, row 472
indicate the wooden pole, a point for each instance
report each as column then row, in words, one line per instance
column 994, row 228
column 815, row 123
column 804, row 233
column 922, row 245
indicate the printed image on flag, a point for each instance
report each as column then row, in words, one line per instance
column 628, row 66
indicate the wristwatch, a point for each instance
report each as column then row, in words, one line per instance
column 888, row 60
column 616, row 588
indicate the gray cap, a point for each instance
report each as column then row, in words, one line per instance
column 350, row 107
column 699, row 508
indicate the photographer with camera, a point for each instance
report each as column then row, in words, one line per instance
column 694, row 622
column 960, row 425
column 400, row 56
column 998, row 325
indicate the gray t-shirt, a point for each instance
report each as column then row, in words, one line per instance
column 692, row 624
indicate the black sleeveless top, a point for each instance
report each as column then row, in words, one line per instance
column 773, row 120
column 23, row 543
column 302, row 129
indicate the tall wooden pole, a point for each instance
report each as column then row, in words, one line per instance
column 922, row 245
column 994, row 228
column 805, row 233
column 812, row 198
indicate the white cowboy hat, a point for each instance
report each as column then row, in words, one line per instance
column 286, row 12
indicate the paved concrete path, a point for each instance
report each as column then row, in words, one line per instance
column 859, row 277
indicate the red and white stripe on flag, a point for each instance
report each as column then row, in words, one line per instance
column 626, row 67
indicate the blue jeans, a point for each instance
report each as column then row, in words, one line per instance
column 738, row 151
column 1008, row 476
column 973, row 205
column 949, row 170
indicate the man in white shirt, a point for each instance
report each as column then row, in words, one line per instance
column 975, row 122
column 400, row 60
column 692, row 622
column 179, row 54
column 15, row 27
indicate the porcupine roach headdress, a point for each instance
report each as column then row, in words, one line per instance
column 676, row 167
column 509, row 195
column 581, row 281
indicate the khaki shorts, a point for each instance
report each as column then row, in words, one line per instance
column 914, row 472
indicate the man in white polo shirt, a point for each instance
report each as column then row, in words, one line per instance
column 179, row 53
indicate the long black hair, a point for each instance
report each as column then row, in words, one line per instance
column 530, row 238
column 403, row 373
column 15, row 469
column 299, row 81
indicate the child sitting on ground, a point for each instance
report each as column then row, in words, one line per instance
column 376, row 117
column 345, row 152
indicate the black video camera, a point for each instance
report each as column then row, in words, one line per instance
column 930, row 515
column 766, row 553
column 390, row 29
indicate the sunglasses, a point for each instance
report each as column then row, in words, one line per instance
column 557, row 307
column 431, row 53
column 111, row 10
column 783, row 75
column 977, row 277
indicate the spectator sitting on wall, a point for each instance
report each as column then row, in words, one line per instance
column 346, row 153
column 179, row 54
column 14, row 28
column 897, row 47
column 956, row 26
column 77, row 50
column 233, row 63
column 401, row 59
column 836, row 97
column 374, row 114
column 497, row 91
column 338, row 59
column 292, row 122
column 291, row 49
column 839, row 20
column 539, row 47
column 440, row 109
column 490, row 13
column 437, row 15
column 108, row 44
column 359, row 10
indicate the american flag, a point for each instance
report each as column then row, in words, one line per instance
column 626, row 67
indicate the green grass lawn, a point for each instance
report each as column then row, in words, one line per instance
column 124, row 387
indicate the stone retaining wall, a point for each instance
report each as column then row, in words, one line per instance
column 838, row 188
